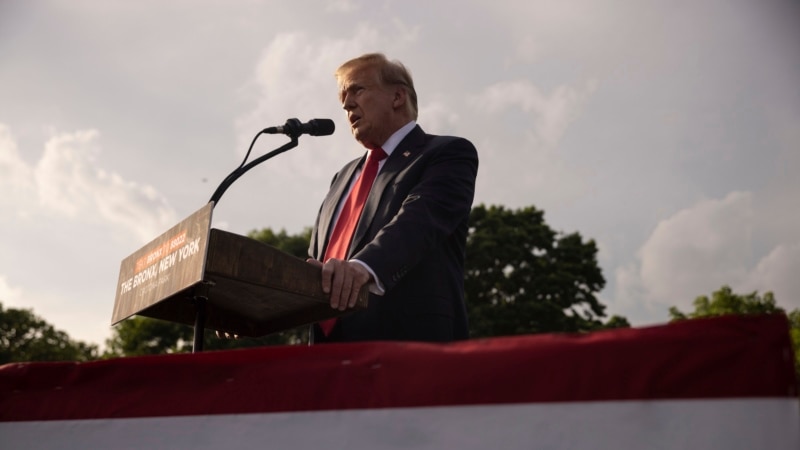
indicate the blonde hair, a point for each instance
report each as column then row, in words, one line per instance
column 389, row 73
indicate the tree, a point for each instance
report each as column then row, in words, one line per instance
column 794, row 332
column 523, row 277
column 724, row 301
column 145, row 336
column 26, row 337
column 296, row 244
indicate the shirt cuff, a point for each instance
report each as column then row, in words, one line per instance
column 376, row 287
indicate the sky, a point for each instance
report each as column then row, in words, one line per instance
column 668, row 132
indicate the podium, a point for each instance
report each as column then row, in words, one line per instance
column 209, row 278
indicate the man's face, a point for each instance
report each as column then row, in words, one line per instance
column 369, row 106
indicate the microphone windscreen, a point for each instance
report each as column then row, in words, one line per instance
column 321, row 127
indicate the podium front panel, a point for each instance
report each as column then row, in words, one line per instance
column 169, row 264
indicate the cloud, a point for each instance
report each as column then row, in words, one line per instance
column 15, row 175
column 777, row 272
column 293, row 73
column 699, row 249
column 704, row 246
column 67, row 182
column 296, row 70
column 294, row 77
column 64, row 174
column 67, row 223
column 10, row 296
column 520, row 154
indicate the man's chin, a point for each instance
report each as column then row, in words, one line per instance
column 362, row 138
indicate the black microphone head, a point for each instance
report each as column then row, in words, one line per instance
column 321, row 127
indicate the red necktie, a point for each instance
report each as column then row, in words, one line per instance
column 342, row 233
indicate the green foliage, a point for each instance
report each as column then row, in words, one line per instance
column 523, row 277
column 144, row 336
column 296, row 245
column 724, row 301
column 613, row 322
column 26, row 337
column 794, row 332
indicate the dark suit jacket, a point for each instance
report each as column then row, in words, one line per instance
column 412, row 233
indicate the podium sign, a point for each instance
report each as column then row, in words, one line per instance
column 171, row 263
column 231, row 283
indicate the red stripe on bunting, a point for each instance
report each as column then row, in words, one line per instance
column 728, row 357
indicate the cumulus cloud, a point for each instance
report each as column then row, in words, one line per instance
column 697, row 250
column 15, row 175
column 294, row 76
column 524, row 157
column 65, row 173
column 777, row 272
column 296, row 70
column 10, row 296
column 67, row 181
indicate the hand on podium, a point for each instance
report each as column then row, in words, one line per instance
column 343, row 280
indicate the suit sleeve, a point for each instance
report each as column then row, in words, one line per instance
column 433, row 214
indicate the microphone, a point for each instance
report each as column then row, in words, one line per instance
column 294, row 128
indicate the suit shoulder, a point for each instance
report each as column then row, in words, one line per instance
column 434, row 141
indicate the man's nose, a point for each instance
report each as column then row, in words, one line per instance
column 348, row 103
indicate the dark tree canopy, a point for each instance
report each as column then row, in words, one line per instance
column 26, row 337
column 295, row 244
column 523, row 277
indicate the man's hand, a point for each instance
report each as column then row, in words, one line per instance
column 343, row 280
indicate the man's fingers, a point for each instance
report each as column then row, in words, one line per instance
column 340, row 288
column 343, row 281
column 331, row 281
column 347, row 288
column 354, row 294
column 327, row 276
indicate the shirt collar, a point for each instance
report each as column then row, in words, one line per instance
column 395, row 139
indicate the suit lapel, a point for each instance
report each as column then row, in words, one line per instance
column 406, row 152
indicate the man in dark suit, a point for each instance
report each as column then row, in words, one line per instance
column 408, row 242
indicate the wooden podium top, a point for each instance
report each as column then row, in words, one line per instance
column 251, row 289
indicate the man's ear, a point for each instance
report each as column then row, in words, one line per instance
column 400, row 97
